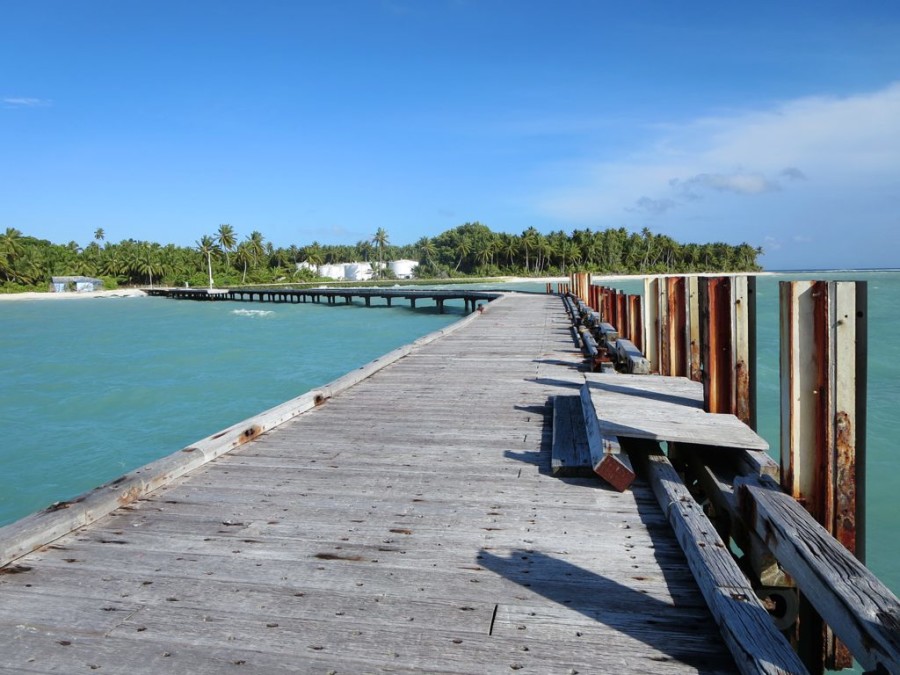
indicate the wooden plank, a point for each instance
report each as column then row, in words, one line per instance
column 644, row 409
column 570, row 452
column 862, row 611
column 379, row 514
column 746, row 627
column 607, row 458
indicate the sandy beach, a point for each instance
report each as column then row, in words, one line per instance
column 119, row 293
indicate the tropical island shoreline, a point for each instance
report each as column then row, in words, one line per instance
column 137, row 292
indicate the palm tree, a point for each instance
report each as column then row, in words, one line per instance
column 207, row 247
column 463, row 248
column 427, row 250
column 529, row 241
column 314, row 254
column 11, row 249
column 226, row 239
column 99, row 234
column 380, row 240
column 143, row 261
column 243, row 256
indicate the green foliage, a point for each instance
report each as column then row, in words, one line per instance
column 27, row 263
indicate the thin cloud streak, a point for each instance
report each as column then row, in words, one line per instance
column 841, row 141
column 25, row 102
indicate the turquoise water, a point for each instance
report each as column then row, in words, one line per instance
column 90, row 389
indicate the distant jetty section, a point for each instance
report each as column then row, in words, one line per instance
column 470, row 298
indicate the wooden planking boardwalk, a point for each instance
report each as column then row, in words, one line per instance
column 409, row 524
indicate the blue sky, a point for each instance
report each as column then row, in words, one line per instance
column 775, row 123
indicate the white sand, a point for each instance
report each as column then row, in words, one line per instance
column 120, row 293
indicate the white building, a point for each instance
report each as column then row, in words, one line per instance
column 358, row 271
column 331, row 271
column 403, row 269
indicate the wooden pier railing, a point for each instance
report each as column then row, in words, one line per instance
column 800, row 540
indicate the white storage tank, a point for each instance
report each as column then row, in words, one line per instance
column 361, row 271
column 403, row 269
column 331, row 271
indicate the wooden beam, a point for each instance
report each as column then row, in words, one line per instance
column 631, row 357
column 570, row 453
column 745, row 625
column 607, row 458
column 861, row 610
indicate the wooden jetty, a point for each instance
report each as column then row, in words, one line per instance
column 406, row 518
column 470, row 298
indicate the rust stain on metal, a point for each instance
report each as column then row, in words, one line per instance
column 845, row 475
column 742, row 392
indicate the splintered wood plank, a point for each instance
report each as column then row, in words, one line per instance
column 663, row 408
column 571, row 454
column 408, row 524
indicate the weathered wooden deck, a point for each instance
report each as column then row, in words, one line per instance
column 409, row 524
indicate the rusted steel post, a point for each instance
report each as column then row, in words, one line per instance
column 635, row 328
column 673, row 327
column 665, row 357
column 651, row 322
column 621, row 311
column 823, row 366
column 744, row 326
column 716, row 352
column 693, row 318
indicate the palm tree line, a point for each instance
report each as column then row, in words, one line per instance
column 224, row 258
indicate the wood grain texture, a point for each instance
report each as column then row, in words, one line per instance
column 661, row 408
column 570, row 452
column 862, row 611
column 746, row 627
column 408, row 524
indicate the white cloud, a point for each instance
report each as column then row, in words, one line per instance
column 25, row 102
column 842, row 142
column 738, row 183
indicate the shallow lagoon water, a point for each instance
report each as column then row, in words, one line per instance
column 94, row 388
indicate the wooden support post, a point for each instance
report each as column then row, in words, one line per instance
column 823, row 366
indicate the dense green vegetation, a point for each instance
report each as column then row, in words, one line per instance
column 223, row 258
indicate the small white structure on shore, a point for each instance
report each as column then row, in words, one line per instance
column 331, row 271
column 363, row 271
column 358, row 271
column 77, row 284
column 403, row 269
